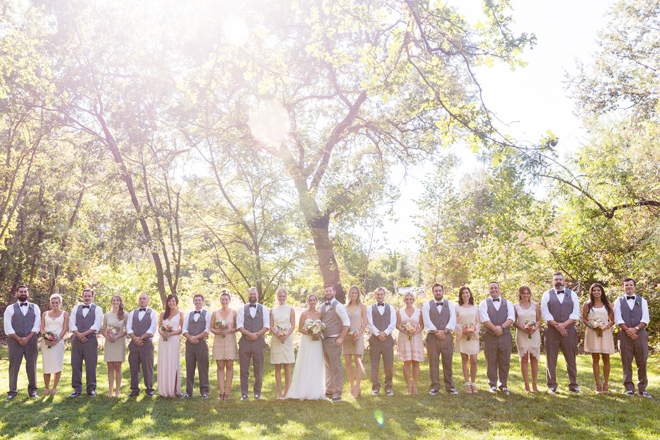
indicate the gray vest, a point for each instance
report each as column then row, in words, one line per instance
column 22, row 325
column 381, row 322
column 199, row 327
column 332, row 321
column 439, row 319
column 498, row 317
column 561, row 311
column 141, row 327
column 85, row 322
column 631, row 317
column 251, row 324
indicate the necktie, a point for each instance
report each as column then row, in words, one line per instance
column 143, row 309
column 24, row 304
column 85, row 307
column 496, row 300
column 253, row 305
column 198, row 312
column 381, row 304
column 630, row 297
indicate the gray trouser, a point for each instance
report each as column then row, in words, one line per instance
column 378, row 348
column 435, row 347
column 334, row 375
column 87, row 352
column 197, row 356
column 141, row 357
column 497, row 350
column 16, row 355
column 553, row 342
column 248, row 351
column 639, row 350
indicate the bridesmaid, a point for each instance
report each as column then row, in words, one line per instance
column 467, row 343
column 282, row 319
column 353, row 346
column 528, row 341
column 224, row 344
column 169, row 349
column 114, row 349
column 599, row 342
column 410, row 344
column 52, row 352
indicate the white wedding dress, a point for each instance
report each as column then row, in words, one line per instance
column 308, row 382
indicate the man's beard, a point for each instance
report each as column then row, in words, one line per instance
column 252, row 300
column 559, row 286
column 22, row 298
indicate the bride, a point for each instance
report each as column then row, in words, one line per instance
column 308, row 382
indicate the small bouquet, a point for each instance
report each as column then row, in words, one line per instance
column 112, row 331
column 599, row 326
column 280, row 331
column 410, row 327
column 353, row 334
column 469, row 328
column 50, row 337
column 167, row 329
column 316, row 328
column 221, row 325
column 529, row 325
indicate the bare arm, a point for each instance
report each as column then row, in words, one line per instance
column 398, row 322
column 65, row 326
column 363, row 312
column 301, row 324
column 585, row 307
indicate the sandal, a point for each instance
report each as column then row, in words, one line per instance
column 474, row 388
column 414, row 389
column 468, row 387
column 46, row 393
column 225, row 396
column 409, row 389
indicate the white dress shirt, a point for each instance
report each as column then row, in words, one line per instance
column 9, row 314
column 98, row 318
column 631, row 303
column 370, row 319
column 240, row 316
column 545, row 311
column 340, row 309
column 483, row 310
column 154, row 321
column 196, row 316
column 426, row 315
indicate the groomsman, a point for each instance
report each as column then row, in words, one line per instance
column 631, row 314
column 253, row 322
column 381, row 320
column 497, row 315
column 196, row 330
column 560, row 308
column 141, row 325
column 85, row 322
column 440, row 320
column 21, row 322
column 337, row 323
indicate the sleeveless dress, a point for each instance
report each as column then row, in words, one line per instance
column 282, row 353
column 523, row 342
column 225, row 349
column 53, row 357
column 350, row 345
column 467, row 315
column 592, row 342
column 308, row 380
column 114, row 351
column 169, row 361
column 410, row 349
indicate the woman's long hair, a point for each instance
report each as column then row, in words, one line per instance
column 460, row 295
column 120, row 312
column 168, row 310
column 350, row 301
column 603, row 297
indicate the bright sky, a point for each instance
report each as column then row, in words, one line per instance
column 531, row 100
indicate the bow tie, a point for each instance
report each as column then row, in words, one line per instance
column 496, row 300
column 381, row 304
column 143, row 309
column 253, row 305
column 85, row 307
column 198, row 311
column 439, row 303
column 560, row 291
column 328, row 304
column 23, row 304
column 630, row 297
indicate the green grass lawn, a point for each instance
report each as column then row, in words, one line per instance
column 482, row 416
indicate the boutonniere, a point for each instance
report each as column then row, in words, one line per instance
column 638, row 302
column 31, row 307
column 330, row 307
column 258, row 310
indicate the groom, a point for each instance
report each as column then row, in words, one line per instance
column 337, row 323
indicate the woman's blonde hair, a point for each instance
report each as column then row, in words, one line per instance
column 409, row 294
column 311, row 295
column 55, row 295
column 282, row 289
column 349, row 295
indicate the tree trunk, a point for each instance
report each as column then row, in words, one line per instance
column 325, row 252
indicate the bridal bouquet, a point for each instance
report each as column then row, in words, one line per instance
column 353, row 334
column 166, row 328
column 599, row 326
column 316, row 328
column 469, row 328
column 280, row 331
column 410, row 327
column 50, row 337
column 221, row 325
column 112, row 331
column 529, row 325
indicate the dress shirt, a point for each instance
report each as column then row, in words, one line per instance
column 545, row 312
column 631, row 303
column 240, row 316
column 483, row 310
column 196, row 316
column 152, row 328
column 9, row 314
column 98, row 318
column 340, row 309
column 370, row 320
column 426, row 316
